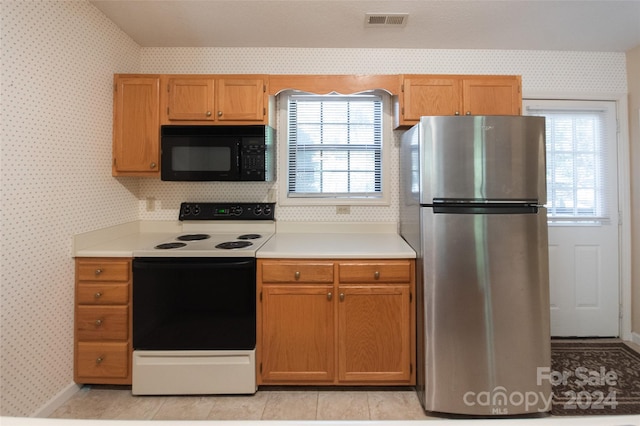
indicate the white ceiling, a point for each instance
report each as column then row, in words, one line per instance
column 593, row 25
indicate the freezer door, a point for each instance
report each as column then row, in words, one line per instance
column 495, row 158
column 485, row 313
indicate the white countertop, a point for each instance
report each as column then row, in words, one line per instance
column 336, row 246
column 292, row 240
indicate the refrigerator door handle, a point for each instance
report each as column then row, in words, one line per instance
column 485, row 209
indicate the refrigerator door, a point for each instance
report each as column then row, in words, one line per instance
column 481, row 158
column 485, row 313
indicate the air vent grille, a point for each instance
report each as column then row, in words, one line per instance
column 386, row 19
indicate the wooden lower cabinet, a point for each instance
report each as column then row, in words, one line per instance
column 374, row 342
column 348, row 322
column 102, row 336
column 297, row 331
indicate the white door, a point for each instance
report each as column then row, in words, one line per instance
column 582, row 201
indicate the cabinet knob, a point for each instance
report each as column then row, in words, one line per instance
column 341, row 297
column 376, row 275
column 99, row 359
column 329, row 296
column 468, row 113
column 153, row 165
column 208, row 114
column 98, row 295
column 98, row 322
column 457, row 113
column 297, row 275
column 98, row 271
column 219, row 113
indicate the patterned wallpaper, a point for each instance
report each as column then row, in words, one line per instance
column 58, row 58
column 542, row 72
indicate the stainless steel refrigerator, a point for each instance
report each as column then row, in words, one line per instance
column 472, row 195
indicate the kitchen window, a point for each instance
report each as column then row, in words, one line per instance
column 334, row 148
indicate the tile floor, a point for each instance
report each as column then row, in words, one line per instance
column 269, row 403
column 117, row 403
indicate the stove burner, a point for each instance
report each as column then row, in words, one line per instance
column 166, row 246
column 234, row 245
column 193, row 237
column 249, row 236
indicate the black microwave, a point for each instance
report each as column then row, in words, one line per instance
column 217, row 153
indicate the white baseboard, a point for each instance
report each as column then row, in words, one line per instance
column 57, row 401
column 635, row 338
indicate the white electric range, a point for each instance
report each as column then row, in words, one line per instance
column 194, row 302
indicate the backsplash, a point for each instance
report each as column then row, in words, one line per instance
column 58, row 59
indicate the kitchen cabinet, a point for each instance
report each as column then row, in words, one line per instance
column 336, row 322
column 456, row 95
column 215, row 99
column 102, row 337
column 136, row 125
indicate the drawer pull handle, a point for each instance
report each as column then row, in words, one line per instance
column 98, row 271
column 329, row 296
column 98, row 322
column 297, row 275
column 376, row 275
column 98, row 295
column 342, row 297
column 100, row 359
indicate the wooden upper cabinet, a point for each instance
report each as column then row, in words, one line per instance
column 492, row 96
column 424, row 95
column 136, row 125
column 214, row 99
column 430, row 96
column 241, row 99
column 190, row 99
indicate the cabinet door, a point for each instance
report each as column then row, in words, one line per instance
column 190, row 99
column 241, row 99
column 297, row 334
column 136, row 126
column 430, row 96
column 492, row 96
column 374, row 341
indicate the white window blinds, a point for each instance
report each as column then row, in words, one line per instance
column 581, row 154
column 334, row 146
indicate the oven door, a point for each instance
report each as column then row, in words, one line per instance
column 194, row 303
column 188, row 157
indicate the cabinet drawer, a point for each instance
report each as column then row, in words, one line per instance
column 297, row 272
column 372, row 272
column 102, row 360
column 102, row 294
column 103, row 270
column 102, row 322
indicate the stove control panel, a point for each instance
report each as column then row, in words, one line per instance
column 227, row 211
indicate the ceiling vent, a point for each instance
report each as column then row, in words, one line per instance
column 386, row 19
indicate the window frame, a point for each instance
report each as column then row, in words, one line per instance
column 282, row 100
column 608, row 158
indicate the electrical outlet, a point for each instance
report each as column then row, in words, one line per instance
column 151, row 204
column 343, row 209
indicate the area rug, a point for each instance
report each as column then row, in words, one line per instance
column 594, row 378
